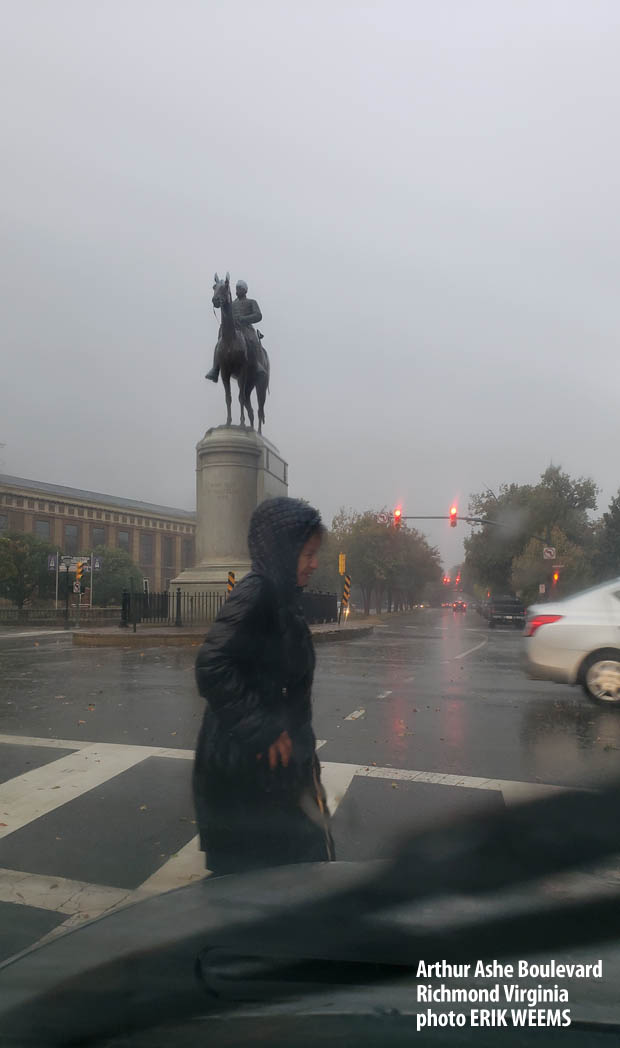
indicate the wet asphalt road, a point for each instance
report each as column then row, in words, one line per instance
column 96, row 745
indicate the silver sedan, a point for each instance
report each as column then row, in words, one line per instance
column 577, row 641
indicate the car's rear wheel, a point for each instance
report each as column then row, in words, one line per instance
column 601, row 677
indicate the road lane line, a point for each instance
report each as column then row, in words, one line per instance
column 355, row 714
column 383, row 694
column 35, row 793
column 469, row 651
column 407, row 680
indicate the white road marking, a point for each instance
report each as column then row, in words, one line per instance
column 469, row 651
column 355, row 714
column 319, row 743
column 42, row 790
column 56, row 744
column 511, row 791
column 59, row 893
column 336, row 779
column 27, row 797
column 407, row 680
column 383, row 694
column 186, row 867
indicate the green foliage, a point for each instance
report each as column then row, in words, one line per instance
column 23, row 568
column 380, row 558
column 499, row 557
column 529, row 569
column 607, row 542
column 118, row 572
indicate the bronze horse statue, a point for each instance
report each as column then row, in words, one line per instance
column 235, row 362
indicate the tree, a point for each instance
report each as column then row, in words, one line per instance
column 607, row 541
column 530, row 570
column 23, row 567
column 382, row 558
column 118, row 572
column 522, row 511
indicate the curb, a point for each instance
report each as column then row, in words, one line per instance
column 128, row 639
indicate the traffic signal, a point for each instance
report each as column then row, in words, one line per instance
column 556, row 577
column 79, row 570
column 453, row 516
column 398, row 514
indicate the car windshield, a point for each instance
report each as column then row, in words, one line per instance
column 310, row 395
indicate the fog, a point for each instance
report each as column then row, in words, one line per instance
column 423, row 198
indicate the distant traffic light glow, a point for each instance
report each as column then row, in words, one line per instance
column 453, row 516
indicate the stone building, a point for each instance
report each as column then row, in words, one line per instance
column 159, row 539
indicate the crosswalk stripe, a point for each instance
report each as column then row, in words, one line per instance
column 35, row 793
column 60, row 894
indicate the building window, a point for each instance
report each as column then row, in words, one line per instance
column 30, row 503
column 72, row 511
column 71, row 539
column 169, row 558
column 4, row 522
column 42, row 529
column 89, row 513
column 116, row 516
column 107, row 516
column 146, row 550
column 20, row 502
column 98, row 536
column 124, row 520
column 188, row 553
column 122, row 541
column 51, row 508
column 99, row 516
column 131, row 520
column 80, row 513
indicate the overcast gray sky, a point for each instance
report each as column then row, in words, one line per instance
column 423, row 197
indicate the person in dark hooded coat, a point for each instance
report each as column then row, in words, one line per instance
column 257, row 780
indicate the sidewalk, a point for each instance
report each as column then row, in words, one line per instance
column 192, row 636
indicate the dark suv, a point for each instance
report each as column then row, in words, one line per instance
column 506, row 611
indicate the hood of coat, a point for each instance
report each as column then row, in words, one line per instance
column 279, row 528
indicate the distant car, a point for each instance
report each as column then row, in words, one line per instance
column 506, row 611
column 577, row 641
column 459, row 605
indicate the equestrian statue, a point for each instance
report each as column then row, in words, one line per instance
column 238, row 352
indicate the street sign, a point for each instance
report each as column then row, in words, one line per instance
column 342, row 563
column 77, row 588
column 542, row 588
column 71, row 563
column 97, row 563
column 383, row 518
column 549, row 553
column 51, row 561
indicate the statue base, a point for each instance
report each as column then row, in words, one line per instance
column 235, row 470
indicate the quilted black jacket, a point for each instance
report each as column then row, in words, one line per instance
column 255, row 671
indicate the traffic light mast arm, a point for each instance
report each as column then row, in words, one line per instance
column 469, row 520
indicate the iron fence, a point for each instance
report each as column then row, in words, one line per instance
column 175, row 608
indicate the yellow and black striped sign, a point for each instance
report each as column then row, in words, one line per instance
column 346, row 591
column 231, row 582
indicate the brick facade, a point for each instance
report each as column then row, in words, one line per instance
column 159, row 539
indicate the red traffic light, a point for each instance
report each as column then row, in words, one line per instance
column 453, row 516
column 556, row 577
column 398, row 513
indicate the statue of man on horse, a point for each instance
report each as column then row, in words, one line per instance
column 238, row 352
column 246, row 312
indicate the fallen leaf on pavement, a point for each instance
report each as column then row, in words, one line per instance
column 81, row 722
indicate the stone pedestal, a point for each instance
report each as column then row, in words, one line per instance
column 235, row 470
